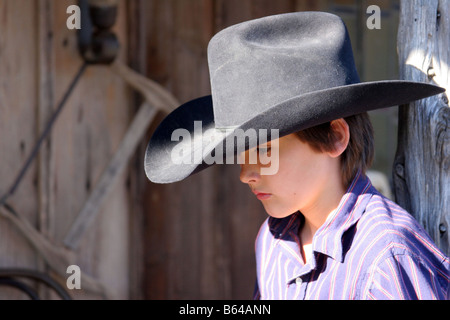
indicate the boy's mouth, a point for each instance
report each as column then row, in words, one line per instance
column 261, row 195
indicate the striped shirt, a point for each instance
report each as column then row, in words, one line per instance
column 368, row 248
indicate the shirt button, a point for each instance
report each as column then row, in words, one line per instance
column 298, row 281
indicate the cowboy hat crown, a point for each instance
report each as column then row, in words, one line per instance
column 258, row 64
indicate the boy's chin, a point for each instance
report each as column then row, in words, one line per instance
column 278, row 214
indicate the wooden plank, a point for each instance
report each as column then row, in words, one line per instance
column 17, row 126
column 45, row 108
column 83, row 141
column 421, row 165
column 136, row 34
column 46, row 105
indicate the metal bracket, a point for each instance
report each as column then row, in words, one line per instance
column 96, row 42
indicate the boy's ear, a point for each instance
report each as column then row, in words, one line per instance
column 342, row 137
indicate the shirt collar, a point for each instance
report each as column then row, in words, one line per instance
column 328, row 239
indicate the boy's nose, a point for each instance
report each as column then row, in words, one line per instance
column 249, row 173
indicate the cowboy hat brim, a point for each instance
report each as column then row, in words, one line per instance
column 295, row 114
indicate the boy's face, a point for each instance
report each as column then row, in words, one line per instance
column 300, row 181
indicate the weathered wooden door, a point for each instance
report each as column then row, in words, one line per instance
column 38, row 59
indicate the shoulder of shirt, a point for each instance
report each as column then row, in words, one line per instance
column 389, row 230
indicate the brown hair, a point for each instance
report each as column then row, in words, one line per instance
column 360, row 150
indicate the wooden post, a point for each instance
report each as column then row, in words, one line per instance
column 421, row 168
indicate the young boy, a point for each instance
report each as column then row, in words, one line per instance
column 345, row 240
column 330, row 234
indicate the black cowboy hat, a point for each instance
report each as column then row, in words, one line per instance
column 287, row 72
